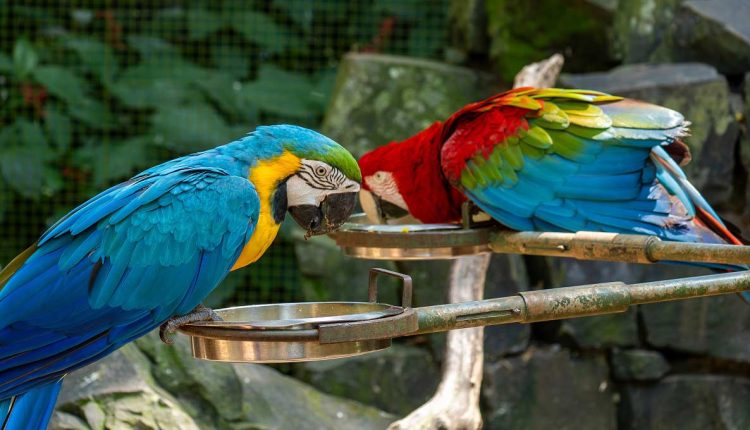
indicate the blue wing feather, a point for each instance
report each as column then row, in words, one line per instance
column 610, row 179
column 90, row 286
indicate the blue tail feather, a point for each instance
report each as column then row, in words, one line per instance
column 30, row 410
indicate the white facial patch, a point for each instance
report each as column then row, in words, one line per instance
column 316, row 180
column 384, row 186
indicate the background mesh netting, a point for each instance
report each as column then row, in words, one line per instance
column 92, row 92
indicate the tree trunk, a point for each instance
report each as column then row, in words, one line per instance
column 455, row 405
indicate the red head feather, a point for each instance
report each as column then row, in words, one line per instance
column 415, row 166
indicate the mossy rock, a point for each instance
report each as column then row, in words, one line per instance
column 149, row 385
column 687, row 402
column 397, row 380
column 638, row 365
column 644, row 30
column 548, row 388
column 714, row 32
column 702, row 96
column 381, row 98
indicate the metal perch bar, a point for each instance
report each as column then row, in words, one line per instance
column 630, row 248
column 545, row 305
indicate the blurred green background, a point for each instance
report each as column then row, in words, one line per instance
column 92, row 92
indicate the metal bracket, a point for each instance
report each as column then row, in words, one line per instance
column 372, row 288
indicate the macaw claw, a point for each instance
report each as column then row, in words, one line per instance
column 200, row 313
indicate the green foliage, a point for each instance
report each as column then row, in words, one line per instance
column 91, row 93
column 524, row 32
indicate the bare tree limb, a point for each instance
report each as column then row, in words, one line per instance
column 455, row 405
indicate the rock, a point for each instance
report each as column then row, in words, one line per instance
column 687, row 402
column 643, row 30
column 275, row 401
column 548, row 388
column 117, row 393
column 717, row 326
column 397, row 380
column 699, row 93
column 381, row 98
column 714, row 32
column 250, row 393
column 600, row 331
column 506, row 277
column 149, row 385
column 692, row 325
column 206, row 389
column 638, row 365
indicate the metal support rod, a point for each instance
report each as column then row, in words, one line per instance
column 569, row 302
column 630, row 248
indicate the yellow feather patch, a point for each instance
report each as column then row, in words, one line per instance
column 265, row 176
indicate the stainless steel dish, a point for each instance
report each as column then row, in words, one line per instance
column 302, row 331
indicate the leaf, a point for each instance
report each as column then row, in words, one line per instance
column 325, row 80
column 5, row 198
column 202, row 22
column 58, row 127
column 63, row 83
column 409, row 9
column 6, row 64
column 23, row 157
column 190, row 128
column 426, row 39
column 97, row 57
column 114, row 161
column 282, row 92
column 93, row 113
column 25, row 58
column 262, row 30
column 228, row 95
column 230, row 60
column 300, row 11
column 154, row 84
column 152, row 48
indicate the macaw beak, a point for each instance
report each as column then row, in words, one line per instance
column 333, row 211
column 378, row 210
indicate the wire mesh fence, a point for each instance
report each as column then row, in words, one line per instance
column 91, row 92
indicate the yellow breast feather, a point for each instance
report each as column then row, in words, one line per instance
column 265, row 176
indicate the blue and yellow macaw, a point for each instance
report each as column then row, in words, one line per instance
column 152, row 248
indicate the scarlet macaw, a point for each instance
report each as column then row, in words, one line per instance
column 548, row 160
column 152, row 248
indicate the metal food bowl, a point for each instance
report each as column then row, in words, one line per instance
column 360, row 239
column 303, row 331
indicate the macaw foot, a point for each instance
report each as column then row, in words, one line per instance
column 200, row 313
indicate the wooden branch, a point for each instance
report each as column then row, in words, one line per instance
column 541, row 74
column 455, row 405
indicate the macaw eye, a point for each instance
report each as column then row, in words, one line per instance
column 379, row 176
column 320, row 171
